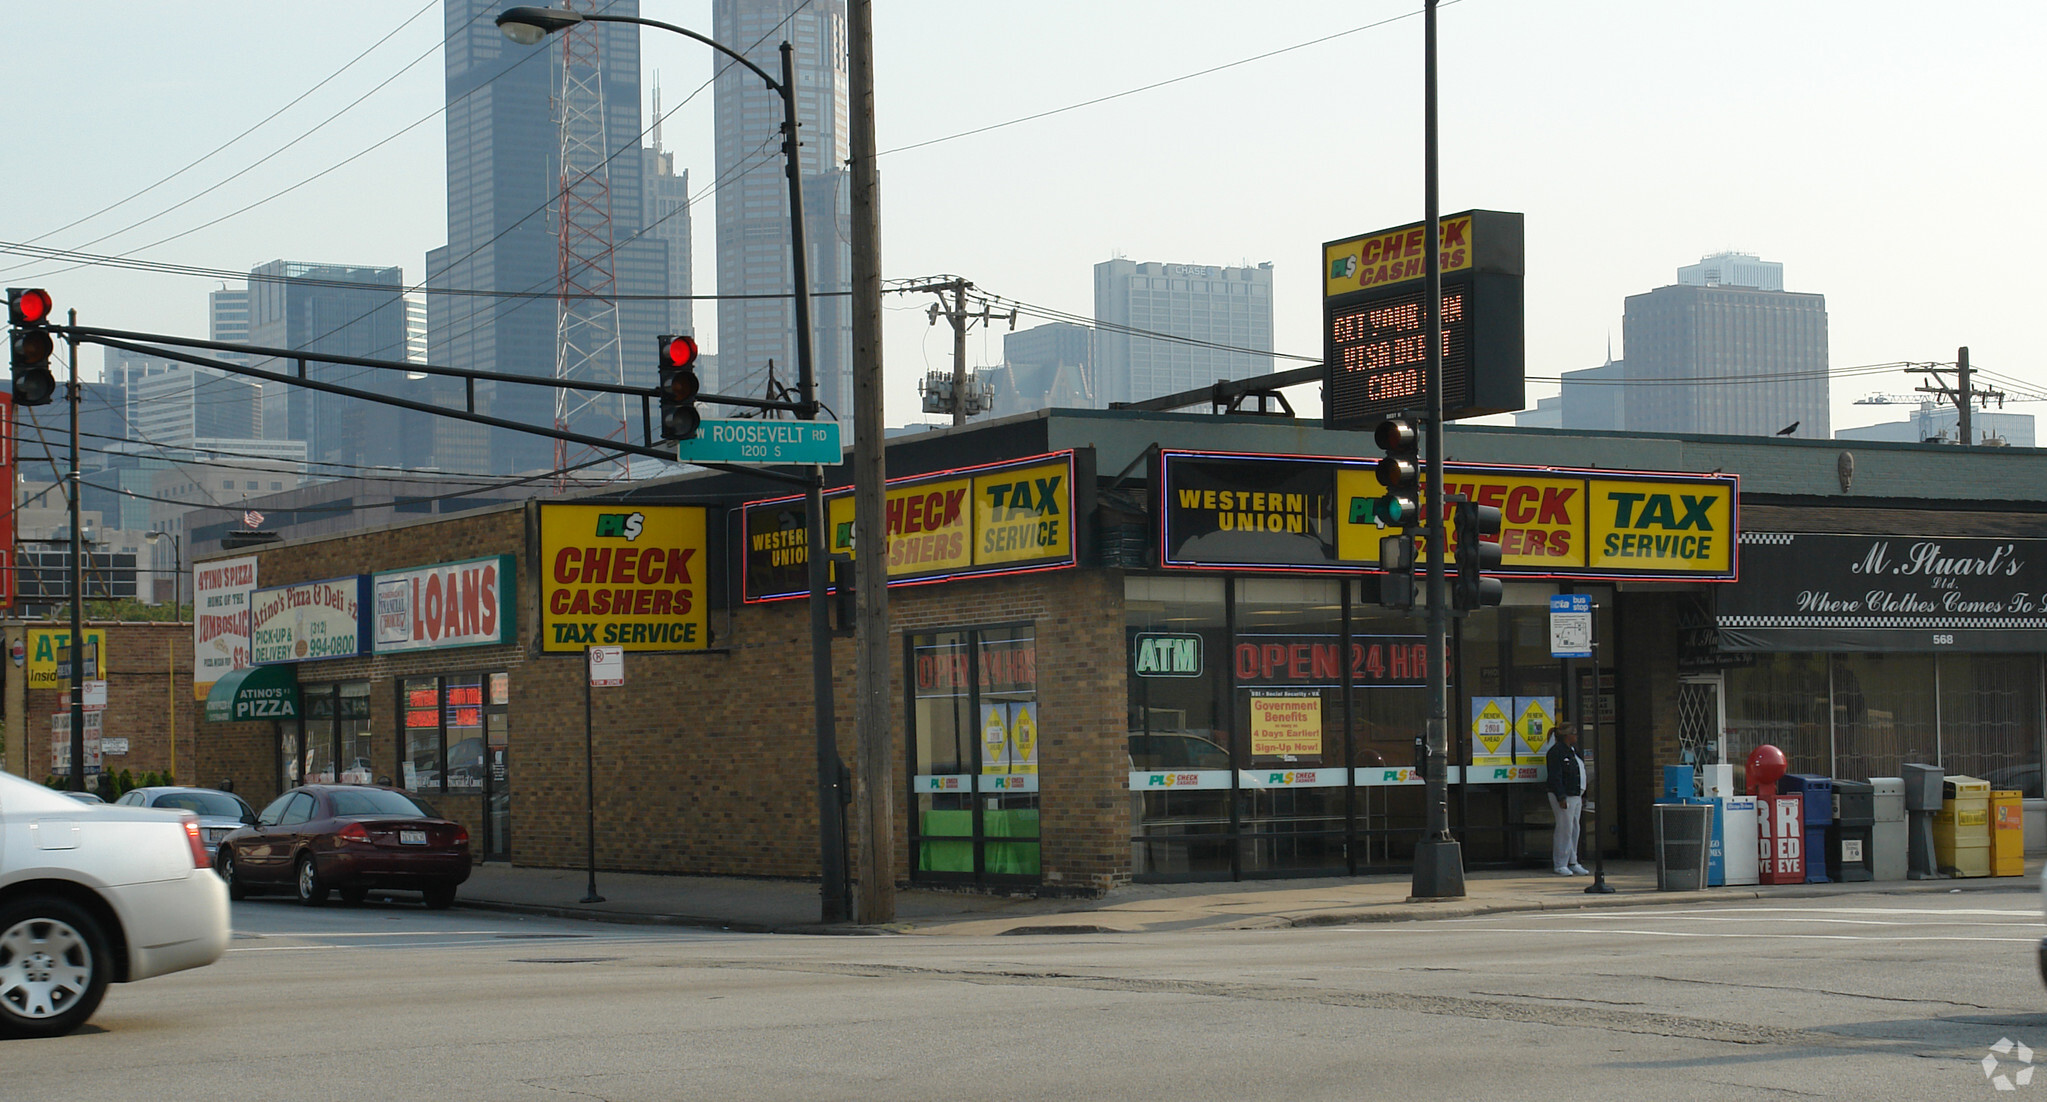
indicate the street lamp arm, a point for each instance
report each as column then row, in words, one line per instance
column 549, row 20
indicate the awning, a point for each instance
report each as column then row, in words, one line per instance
column 257, row 692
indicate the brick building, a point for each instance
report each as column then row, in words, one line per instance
column 1141, row 645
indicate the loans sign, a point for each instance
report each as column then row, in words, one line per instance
column 450, row 604
column 310, row 621
column 980, row 520
column 625, row 576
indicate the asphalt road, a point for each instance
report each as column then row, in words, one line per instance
column 1882, row 996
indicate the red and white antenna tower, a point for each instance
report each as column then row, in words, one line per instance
column 587, row 344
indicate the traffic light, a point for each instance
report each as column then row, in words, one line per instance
column 1396, row 558
column 1400, row 472
column 1476, row 554
column 679, row 387
column 29, row 345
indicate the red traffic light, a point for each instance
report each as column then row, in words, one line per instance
column 28, row 306
column 681, row 351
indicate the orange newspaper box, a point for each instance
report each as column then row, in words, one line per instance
column 2007, row 834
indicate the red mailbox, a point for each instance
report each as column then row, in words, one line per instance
column 1780, row 854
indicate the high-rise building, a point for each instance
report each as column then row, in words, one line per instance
column 1725, row 357
column 1941, row 423
column 753, row 211
column 1045, row 366
column 228, row 320
column 347, row 311
column 415, row 328
column 1223, row 317
column 1595, row 397
column 665, row 202
column 504, row 185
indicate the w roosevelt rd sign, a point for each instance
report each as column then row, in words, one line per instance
column 762, row 442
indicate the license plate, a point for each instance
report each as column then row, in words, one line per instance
column 412, row 837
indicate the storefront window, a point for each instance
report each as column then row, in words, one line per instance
column 336, row 728
column 464, row 711
column 1179, row 690
column 1885, row 714
column 421, row 713
column 352, row 725
column 320, row 703
column 1990, row 719
column 1781, row 701
column 1288, row 661
column 975, row 752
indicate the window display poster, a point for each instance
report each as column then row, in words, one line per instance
column 1492, row 726
column 1286, row 725
column 220, row 620
column 1009, row 737
column 1533, row 718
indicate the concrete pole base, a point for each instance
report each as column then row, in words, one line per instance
column 1438, row 869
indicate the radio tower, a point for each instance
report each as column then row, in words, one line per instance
column 587, row 345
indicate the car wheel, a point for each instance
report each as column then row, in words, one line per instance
column 439, row 897
column 311, row 890
column 225, row 866
column 54, row 967
column 353, row 896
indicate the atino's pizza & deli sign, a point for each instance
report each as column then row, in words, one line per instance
column 1222, row 511
column 997, row 519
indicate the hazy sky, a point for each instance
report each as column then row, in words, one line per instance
column 1890, row 155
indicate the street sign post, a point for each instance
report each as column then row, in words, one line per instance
column 751, row 441
column 1570, row 626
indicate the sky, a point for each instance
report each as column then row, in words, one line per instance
column 1888, row 154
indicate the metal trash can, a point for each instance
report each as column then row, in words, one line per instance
column 1819, row 814
column 1888, row 838
column 1683, row 832
column 1922, row 803
column 1849, row 849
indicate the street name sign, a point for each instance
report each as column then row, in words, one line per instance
column 752, row 441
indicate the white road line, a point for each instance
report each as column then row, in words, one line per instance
column 1783, row 937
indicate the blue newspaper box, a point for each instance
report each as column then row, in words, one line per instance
column 1678, row 784
column 1819, row 815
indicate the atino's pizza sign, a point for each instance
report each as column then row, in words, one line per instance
column 1314, row 513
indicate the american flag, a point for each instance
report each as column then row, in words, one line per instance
column 252, row 519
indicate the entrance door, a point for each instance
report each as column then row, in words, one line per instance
column 1701, row 720
column 974, row 755
column 497, row 790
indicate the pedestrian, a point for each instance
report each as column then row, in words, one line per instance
column 1566, row 799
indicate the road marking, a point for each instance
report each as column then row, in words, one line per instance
column 1782, row 937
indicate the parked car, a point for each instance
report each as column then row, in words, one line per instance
column 350, row 838
column 220, row 813
column 85, row 797
column 92, row 895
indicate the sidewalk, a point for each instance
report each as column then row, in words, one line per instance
column 792, row 907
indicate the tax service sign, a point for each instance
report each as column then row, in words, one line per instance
column 1224, row 511
column 622, row 576
column 450, row 604
column 995, row 519
column 309, row 621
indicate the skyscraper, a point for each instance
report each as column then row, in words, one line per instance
column 1045, row 366
column 347, row 311
column 753, row 211
column 504, row 183
column 1726, row 351
column 665, row 197
column 1224, row 314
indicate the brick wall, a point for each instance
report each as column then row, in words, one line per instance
column 148, row 670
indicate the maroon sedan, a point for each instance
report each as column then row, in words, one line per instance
column 348, row 838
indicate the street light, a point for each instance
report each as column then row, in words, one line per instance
column 177, row 570
column 528, row 26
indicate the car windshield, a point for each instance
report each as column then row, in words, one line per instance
column 378, row 801
column 218, row 805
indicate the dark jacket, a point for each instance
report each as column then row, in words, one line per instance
column 1566, row 770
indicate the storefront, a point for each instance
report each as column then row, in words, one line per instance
column 1145, row 646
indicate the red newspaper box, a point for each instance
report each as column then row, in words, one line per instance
column 1780, row 856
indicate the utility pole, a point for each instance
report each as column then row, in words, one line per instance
column 1963, row 394
column 961, row 402
column 874, row 814
column 77, row 585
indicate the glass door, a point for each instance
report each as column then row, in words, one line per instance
column 974, row 753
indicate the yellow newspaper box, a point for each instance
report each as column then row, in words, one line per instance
column 1961, row 828
column 2007, row 834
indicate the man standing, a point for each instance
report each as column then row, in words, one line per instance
column 1566, row 799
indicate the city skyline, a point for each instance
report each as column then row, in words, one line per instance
column 1832, row 161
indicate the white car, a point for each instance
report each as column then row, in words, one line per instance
column 96, row 894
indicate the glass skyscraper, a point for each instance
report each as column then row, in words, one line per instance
column 1727, row 352
column 1225, row 314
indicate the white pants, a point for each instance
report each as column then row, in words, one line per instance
column 1563, row 847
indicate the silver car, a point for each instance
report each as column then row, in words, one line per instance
column 96, row 894
column 220, row 813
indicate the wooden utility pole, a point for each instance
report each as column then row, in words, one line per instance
column 963, row 403
column 1963, row 394
column 874, row 796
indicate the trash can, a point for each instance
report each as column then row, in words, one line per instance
column 1848, row 837
column 2007, row 833
column 1887, row 836
column 1819, row 814
column 1740, row 839
column 1922, row 803
column 1682, row 834
column 1716, row 844
column 1961, row 828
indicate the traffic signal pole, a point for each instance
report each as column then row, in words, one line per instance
column 1438, row 859
column 77, row 584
